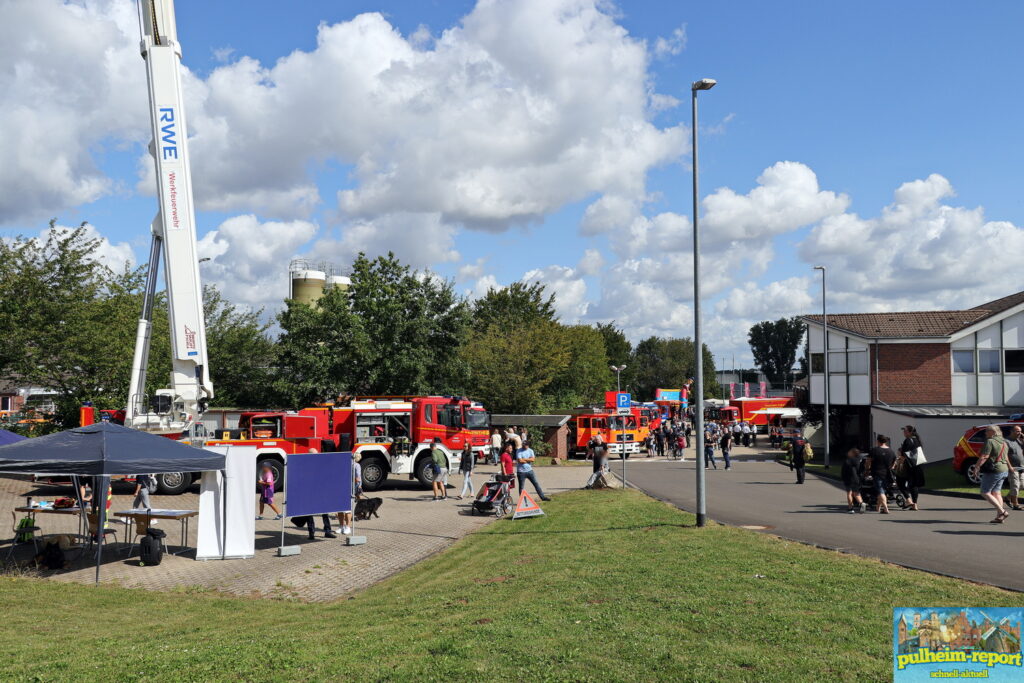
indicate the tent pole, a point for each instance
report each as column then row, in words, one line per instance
column 224, row 510
column 101, row 524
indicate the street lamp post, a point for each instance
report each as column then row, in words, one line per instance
column 617, row 369
column 824, row 322
column 698, row 348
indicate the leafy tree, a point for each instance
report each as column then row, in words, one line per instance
column 70, row 321
column 394, row 331
column 241, row 354
column 585, row 377
column 774, row 345
column 618, row 349
column 511, row 367
column 515, row 305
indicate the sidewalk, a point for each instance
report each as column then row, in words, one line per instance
column 411, row 528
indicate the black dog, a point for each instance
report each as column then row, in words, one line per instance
column 367, row 507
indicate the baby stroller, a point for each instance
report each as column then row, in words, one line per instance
column 892, row 493
column 496, row 498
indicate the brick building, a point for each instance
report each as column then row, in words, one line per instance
column 941, row 371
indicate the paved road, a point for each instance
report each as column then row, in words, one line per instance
column 948, row 536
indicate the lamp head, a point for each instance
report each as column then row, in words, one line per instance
column 821, row 268
column 703, row 84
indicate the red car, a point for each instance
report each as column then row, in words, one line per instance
column 967, row 450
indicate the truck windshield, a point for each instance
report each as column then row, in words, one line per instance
column 477, row 419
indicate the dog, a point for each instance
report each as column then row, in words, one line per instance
column 367, row 507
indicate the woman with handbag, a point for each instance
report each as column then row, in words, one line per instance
column 991, row 468
column 909, row 475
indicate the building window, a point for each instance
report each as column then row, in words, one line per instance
column 857, row 362
column 1014, row 360
column 988, row 361
column 818, row 362
column 963, row 361
column 5, row 402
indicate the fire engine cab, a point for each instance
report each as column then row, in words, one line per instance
column 392, row 434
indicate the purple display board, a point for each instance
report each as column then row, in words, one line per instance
column 317, row 483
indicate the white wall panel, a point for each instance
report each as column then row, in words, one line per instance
column 988, row 337
column 1013, row 331
column 837, row 390
column 1013, row 390
column 860, row 390
column 990, row 390
column 963, row 391
column 814, row 337
column 817, row 386
column 966, row 342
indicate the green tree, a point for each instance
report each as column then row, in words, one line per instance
column 394, row 331
column 586, row 376
column 242, row 355
column 70, row 322
column 515, row 305
column 668, row 363
column 511, row 367
column 618, row 349
column 774, row 345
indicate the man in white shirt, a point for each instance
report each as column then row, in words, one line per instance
column 495, row 446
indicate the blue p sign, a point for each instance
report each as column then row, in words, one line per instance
column 623, row 400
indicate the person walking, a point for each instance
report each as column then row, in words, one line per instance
column 659, row 437
column 440, row 463
column 466, row 470
column 144, row 485
column 1015, row 457
column 909, row 475
column 599, row 452
column 798, row 460
column 726, row 445
column 882, row 461
column 524, row 470
column 992, row 469
column 266, row 483
column 508, row 464
column 709, row 449
column 495, row 446
column 851, row 481
column 745, row 429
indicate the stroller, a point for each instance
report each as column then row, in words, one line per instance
column 892, row 493
column 495, row 498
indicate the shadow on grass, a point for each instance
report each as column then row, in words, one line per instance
column 981, row 533
column 641, row 527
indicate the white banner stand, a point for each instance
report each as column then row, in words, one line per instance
column 227, row 507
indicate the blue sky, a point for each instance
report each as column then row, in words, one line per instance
column 863, row 97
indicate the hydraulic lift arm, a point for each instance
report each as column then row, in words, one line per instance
column 175, row 409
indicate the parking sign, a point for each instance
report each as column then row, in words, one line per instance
column 623, row 400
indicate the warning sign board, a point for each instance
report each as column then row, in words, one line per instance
column 527, row 506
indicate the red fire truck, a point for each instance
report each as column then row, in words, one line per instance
column 392, row 434
column 618, row 431
column 749, row 406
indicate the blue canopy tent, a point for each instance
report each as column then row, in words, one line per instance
column 7, row 437
column 102, row 450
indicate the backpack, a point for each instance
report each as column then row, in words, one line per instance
column 151, row 548
column 151, row 484
column 24, row 536
column 51, row 557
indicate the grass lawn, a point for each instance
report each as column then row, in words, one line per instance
column 609, row 585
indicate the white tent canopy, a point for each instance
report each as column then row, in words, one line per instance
column 780, row 412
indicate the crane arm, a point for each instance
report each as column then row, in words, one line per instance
column 174, row 235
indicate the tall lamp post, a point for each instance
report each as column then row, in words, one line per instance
column 698, row 348
column 824, row 322
column 617, row 369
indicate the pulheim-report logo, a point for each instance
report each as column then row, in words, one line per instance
column 957, row 642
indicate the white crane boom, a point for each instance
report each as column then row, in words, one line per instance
column 174, row 234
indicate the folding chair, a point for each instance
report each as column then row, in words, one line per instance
column 93, row 519
column 18, row 531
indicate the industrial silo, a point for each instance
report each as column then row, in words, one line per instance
column 306, row 285
column 342, row 282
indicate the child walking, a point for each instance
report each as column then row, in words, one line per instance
column 266, row 483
